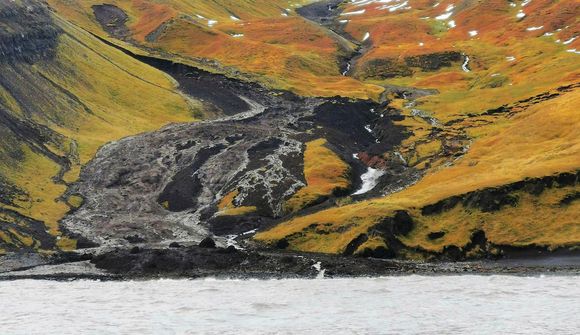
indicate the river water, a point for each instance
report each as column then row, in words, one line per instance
column 393, row 305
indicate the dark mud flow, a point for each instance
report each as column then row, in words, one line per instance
column 322, row 12
column 113, row 20
column 224, row 95
column 165, row 186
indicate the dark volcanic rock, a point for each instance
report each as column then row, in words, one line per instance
column 207, row 242
column 166, row 185
column 282, row 244
column 322, row 12
column 113, row 20
column 196, row 262
column 27, row 32
column 435, row 61
column 494, row 199
column 436, row 235
column 383, row 69
column 355, row 244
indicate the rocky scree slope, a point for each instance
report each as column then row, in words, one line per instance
column 230, row 175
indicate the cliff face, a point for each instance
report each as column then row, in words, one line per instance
column 27, row 31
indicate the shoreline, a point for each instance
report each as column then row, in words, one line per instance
column 196, row 262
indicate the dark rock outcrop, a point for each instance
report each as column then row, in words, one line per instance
column 207, row 242
column 27, row 32
column 434, row 61
column 494, row 199
column 113, row 20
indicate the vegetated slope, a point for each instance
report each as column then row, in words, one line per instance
column 63, row 94
column 500, row 143
column 264, row 40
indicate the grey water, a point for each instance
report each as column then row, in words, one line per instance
column 463, row 304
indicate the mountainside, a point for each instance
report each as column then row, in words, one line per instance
column 416, row 129
column 63, row 94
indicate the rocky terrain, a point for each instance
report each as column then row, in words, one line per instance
column 167, row 186
column 287, row 132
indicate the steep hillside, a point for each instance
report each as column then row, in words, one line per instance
column 504, row 112
column 63, row 94
column 264, row 40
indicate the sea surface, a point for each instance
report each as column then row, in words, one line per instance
column 463, row 304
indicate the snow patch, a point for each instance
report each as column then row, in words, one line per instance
column 534, row 28
column 570, row 40
column 370, row 179
column 358, row 12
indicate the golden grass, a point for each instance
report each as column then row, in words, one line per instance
column 372, row 243
column 541, row 141
column 237, row 211
column 282, row 52
column 536, row 220
column 227, row 207
column 325, row 173
column 228, row 200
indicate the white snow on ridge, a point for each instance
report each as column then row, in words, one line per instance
column 447, row 14
column 534, row 28
column 444, row 16
column 358, row 12
column 570, row 40
column 473, row 33
column 390, row 5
